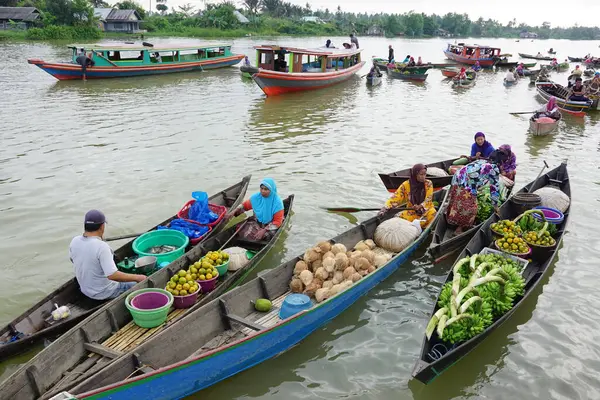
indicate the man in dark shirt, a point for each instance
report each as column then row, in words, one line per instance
column 354, row 40
column 391, row 55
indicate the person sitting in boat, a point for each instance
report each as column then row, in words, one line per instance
column 466, row 183
column 462, row 75
column 157, row 57
column 346, row 45
column 406, row 60
column 577, row 91
column 268, row 212
column 329, row 44
column 511, row 76
column 415, row 193
column 577, row 71
column 481, row 148
column 419, row 61
column 476, row 67
column 390, row 54
column 554, row 63
column 551, row 51
column 94, row 264
column 247, row 61
column 508, row 165
column 520, row 69
column 539, row 55
column 549, row 110
column 411, row 62
column 374, row 71
column 592, row 87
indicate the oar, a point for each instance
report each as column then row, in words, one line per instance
column 128, row 236
column 523, row 112
column 355, row 209
column 234, row 235
column 538, row 177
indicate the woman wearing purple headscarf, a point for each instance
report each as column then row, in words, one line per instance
column 416, row 193
column 508, row 167
column 481, row 148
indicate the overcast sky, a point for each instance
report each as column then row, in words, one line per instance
column 533, row 12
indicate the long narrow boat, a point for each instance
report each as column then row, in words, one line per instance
column 470, row 54
column 549, row 89
column 127, row 61
column 94, row 344
column 374, row 80
column 407, row 75
column 433, row 362
column 464, row 83
column 36, row 324
column 227, row 335
column 393, row 180
column 282, row 70
column 504, row 63
column 543, row 58
column 445, row 242
column 542, row 128
column 382, row 64
column 564, row 66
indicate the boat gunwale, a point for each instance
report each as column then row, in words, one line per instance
column 310, row 52
column 93, row 47
column 309, row 76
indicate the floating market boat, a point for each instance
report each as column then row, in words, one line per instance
column 97, row 342
column 382, row 63
column 409, row 73
column 374, row 80
column 445, row 242
column 393, row 180
column 298, row 69
column 131, row 60
column 564, row 66
column 450, row 72
column 228, row 336
column 437, row 355
column 544, row 126
column 543, row 58
column 504, row 63
column 37, row 324
column 465, row 83
column 470, row 54
column 549, row 89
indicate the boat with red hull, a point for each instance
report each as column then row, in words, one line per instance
column 129, row 61
column 281, row 70
column 470, row 54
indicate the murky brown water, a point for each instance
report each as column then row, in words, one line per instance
column 136, row 148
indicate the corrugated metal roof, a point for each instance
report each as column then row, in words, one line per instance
column 102, row 13
column 123, row 15
column 19, row 13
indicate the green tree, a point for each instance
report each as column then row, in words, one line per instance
column 82, row 13
column 252, row 6
column 187, row 9
column 99, row 4
column 8, row 3
column 272, row 7
column 392, row 25
column 430, row 25
column 413, row 24
column 132, row 5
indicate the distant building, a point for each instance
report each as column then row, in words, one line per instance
column 312, row 18
column 375, row 30
column 18, row 17
column 528, row 35
column 113, row 20
column 442, row 33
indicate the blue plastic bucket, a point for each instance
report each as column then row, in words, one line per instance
column 293, row 304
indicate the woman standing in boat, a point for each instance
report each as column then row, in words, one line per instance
column 466, row 183
column 268, row 212
column 417, row 194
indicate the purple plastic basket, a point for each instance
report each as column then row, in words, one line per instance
column 186, row 301
column 149, row 301
column 208, row 285
column 552, row 215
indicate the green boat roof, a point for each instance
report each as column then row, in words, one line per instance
column 126, row 47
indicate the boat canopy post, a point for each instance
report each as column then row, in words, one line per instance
column 291, row 62
column 323, row 63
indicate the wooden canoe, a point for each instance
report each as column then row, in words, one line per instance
column 523, row 55
column 381, row 63
column 393, row 180
column 373, row 80
column 445, row 243
column 407, row 76
column 548, row 89
column 558, row 67
column 464, row 83
column 510, row 83
column 450, row 72
column 542, row 129
column 227, row 336
column 430, row 365
column 94, row 344
column 36, row 323
column 513, row 64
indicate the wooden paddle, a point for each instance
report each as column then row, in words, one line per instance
column 128, row 236
column 355, row 209
column 234, row 234
column 523, row 112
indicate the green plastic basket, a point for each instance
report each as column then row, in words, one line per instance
column 161, row 237
column 149, row 318
column 222, row 269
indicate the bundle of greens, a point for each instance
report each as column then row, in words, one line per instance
column 529, row 224
column 483, row 288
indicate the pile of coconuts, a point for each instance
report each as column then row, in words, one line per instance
column 326, row 270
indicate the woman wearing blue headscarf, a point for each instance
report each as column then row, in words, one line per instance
column 268, row 211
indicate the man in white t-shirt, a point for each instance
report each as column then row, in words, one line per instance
column 95, row 268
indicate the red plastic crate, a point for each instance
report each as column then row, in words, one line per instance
column 219, row 210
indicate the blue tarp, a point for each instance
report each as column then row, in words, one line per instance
column 199, row 211
column 189, row 229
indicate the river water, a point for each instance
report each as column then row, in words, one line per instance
column 137, row 148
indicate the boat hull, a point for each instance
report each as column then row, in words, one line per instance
column 408, row 77
column 542, row 129
column 393, row 180
column 484, row 62
column 275, row 83
column 450, row 72
column 529, row 56
column 544, row 90
column 189, row 376
column 69, row 71
column 373, row 80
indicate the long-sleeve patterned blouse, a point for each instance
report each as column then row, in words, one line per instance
column 478, row 174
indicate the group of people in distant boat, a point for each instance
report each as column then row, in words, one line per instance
column 408, row 61
column 487, row 168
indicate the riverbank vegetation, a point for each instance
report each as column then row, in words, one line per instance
column 74, row 19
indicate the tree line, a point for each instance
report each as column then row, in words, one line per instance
column 282, row 17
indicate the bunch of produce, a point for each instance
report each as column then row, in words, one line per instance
column 512, row 244
column 326, row 270
column 505, row 227
column 484, row 204
column 204, row 269
column 483, row 288
column 529, row 224
column 183, row 282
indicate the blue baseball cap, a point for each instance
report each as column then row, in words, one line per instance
column 94, row 217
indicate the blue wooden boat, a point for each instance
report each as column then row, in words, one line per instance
column 227, row 336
